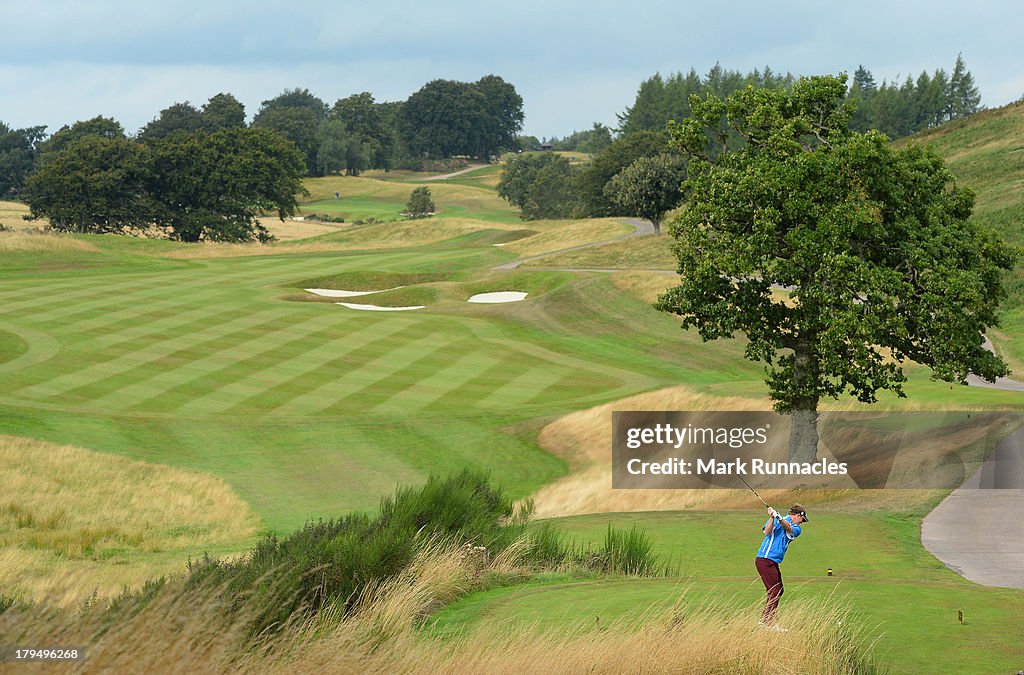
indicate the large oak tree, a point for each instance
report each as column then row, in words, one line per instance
column 874, row 243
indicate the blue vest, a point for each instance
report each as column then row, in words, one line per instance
column 777, row 541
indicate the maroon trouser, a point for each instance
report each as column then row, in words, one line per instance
column 771, row 575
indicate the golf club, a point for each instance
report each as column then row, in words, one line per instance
column 753, row 490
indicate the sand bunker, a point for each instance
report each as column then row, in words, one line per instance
column 377, row 308
column 500, row 296
column 332, row 293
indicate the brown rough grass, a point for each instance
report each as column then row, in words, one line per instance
column 73, row 521
column 556, row 235
column 293, row 230
column 189, row 632
column 11, row 217
column 35, row 242
column 584, row 440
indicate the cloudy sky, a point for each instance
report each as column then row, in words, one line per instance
column 573, row 62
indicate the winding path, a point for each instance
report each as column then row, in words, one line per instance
column 978, row 530
column 446, row 176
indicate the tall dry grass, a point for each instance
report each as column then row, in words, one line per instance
column 562, row 234
column 12, row 217
column 73, row 521
column 193, row 631
column 36, row 242
column 584, row 440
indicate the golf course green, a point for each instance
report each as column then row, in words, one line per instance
column 215, row 360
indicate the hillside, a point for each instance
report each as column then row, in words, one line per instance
column 986, row 153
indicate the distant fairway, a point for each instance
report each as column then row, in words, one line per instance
column 310, row 409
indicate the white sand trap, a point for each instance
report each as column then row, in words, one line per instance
column 377, row 308
column 499, row 244
column 332, row 293
column 499, row 296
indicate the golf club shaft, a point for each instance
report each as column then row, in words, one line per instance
column 753, row 490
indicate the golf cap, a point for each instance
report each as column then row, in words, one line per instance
column 797, row 509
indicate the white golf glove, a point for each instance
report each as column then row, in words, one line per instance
column 773, row 513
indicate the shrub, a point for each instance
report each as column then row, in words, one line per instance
column 420, row 204
column 330, row 562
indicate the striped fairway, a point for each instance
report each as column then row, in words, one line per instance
column 305, row 408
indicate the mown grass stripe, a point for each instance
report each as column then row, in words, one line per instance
column 390, row 335
column 90, row 350
column 199, row 359
column 144, row 355
column 235, row 365
column 445, row 379
column 406, row 373
column 484, row 384
column 55, row 305
column 312, row 362
column 524, row 387
column 367, row 381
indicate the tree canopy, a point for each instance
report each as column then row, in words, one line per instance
column 650, row 187
column 196, row 185
column 213, row 186
column 18, row 150
column 420, row 204
column 541, row 185
column 447, row 118
column 95, row 184
column 874, row 242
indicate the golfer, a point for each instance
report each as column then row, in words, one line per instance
column 778, row 532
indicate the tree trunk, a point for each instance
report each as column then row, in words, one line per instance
column 803, row 436
column 657, row 225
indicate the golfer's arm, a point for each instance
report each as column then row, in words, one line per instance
column 770, row 526
column 786, row 526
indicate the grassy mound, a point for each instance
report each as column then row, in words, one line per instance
column 115, row 522
column 641, row 253
column 555, row 235
column 172, row 630
column 534, row 283
column 368, row 281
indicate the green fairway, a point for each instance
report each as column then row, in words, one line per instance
column 902, row 594
column 309, row 409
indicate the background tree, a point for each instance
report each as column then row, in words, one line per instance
column 540, row 185
column 420, row 204
column 502, row 116
column 370, row 141
column 616, row 157
column 875, row 242
column 214, row 186
column 94, row 185
column 178, row 117
column 553, row 193
column 965, row 98
column 446, row 118
column 18, row 149
column 527, row 144
column 296, row 114
column 442, row 119
column 223, row 111
column 650, row 187
column 104, row 127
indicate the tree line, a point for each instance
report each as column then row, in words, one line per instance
column 634, row 172
column 896, row 110
column 203, row 173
